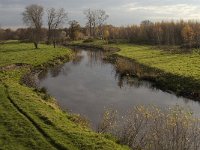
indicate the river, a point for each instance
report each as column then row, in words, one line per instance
column 87, row 85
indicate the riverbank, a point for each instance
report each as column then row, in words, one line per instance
column 30, row 119
column 169, row 70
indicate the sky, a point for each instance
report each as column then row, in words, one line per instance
column 121, row 12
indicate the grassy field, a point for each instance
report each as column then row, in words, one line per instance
column 12, row 53
column 186, row 65
column 179, row 72
column 30, row 121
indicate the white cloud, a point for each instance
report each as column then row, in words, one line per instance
column 177, row 11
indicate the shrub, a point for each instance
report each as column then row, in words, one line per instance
column 117, row 41
column 108, row 122
column 89, row 40
column 152, row 129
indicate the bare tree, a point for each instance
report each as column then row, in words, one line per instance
column 95, row 21
column 90, row 19
column 55, row 20
column 32, row 17
column 51, row 14
column 101, row 18
column 74, row 29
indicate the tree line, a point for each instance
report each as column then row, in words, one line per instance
column 183, row 33
column 33, row 17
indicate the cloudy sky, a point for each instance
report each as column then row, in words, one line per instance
column 121, row 12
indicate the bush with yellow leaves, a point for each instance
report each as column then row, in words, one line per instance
column 151, row 128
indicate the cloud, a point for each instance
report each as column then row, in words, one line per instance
column 164, row 10
column 121, row 12
column 177, row 11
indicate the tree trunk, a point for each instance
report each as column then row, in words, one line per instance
column 36, row 45
column 48, row 40
column 90, row 29
column 54, row 44
column 49, row 36
column 94, row 30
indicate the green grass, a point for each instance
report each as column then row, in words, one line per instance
column 27, row 121
column 180, row 71
column 13, row 53
column 16, row 131
column 186, row 65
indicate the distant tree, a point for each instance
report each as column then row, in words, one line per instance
column 101, row 18
column 22, row 34
column 146, row 23
column 146, row 31
column 61, row 37
column 90, row 16
column 106, row 34
column 1, row 34
column 51, row 14
column 10, row 34
column 74, row 29
column 32, row 16
column 158, row 34
column 95, row 21
column 55, row 20
column 197, row 35
column 25, row 34
column 188, row 35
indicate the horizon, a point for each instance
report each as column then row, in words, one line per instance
column 121, row 13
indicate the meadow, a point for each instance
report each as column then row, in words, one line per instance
column 29, row 118
column 183, row 64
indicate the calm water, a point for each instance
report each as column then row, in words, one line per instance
column 87, row 85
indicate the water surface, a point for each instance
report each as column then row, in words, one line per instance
column 87, row 85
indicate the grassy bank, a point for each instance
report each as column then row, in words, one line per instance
column 175, row 71
column 28, row 119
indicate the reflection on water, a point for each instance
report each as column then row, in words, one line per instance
column 87, row 85
column 78, row 57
